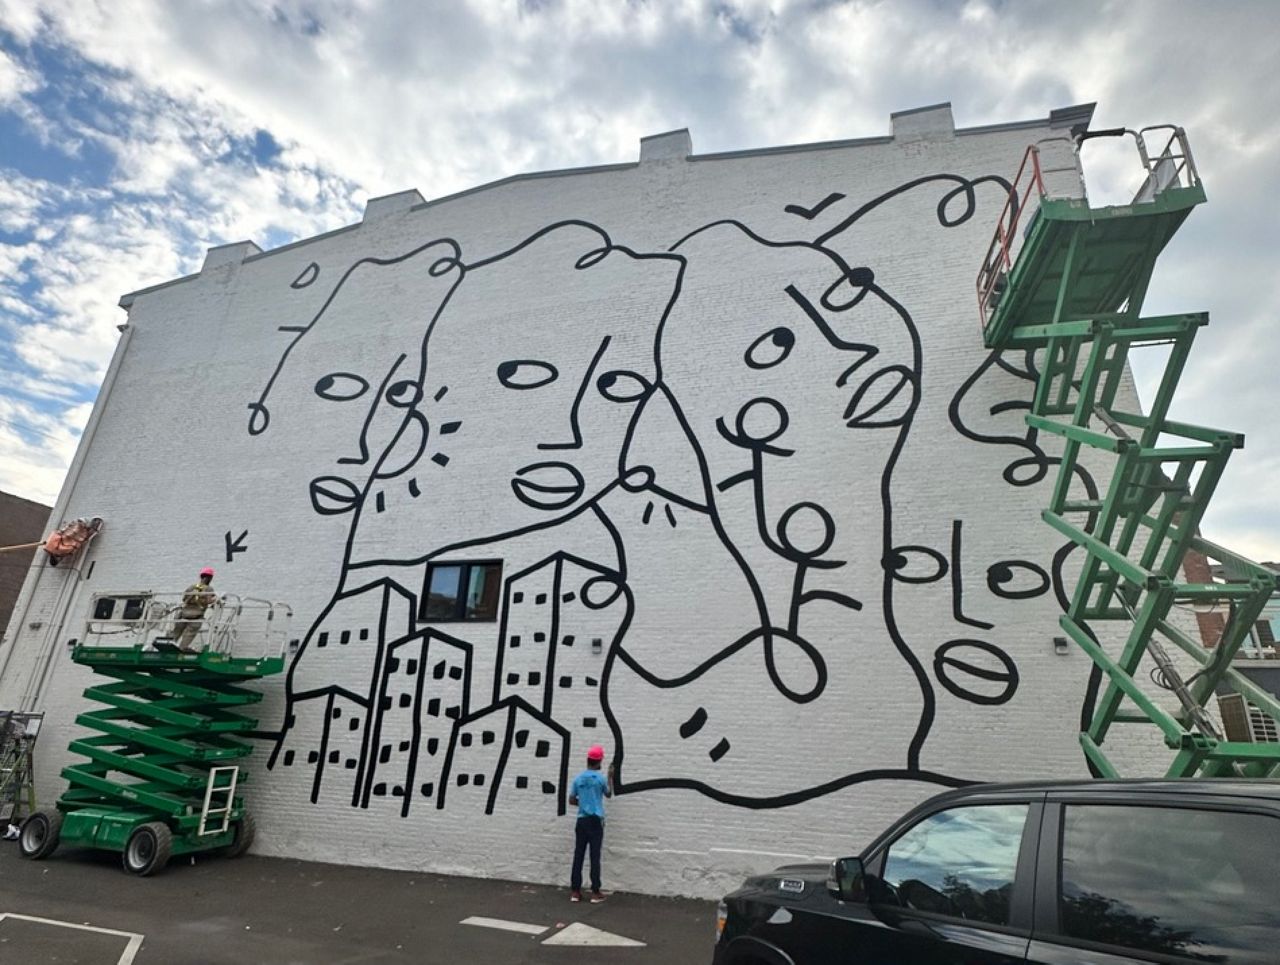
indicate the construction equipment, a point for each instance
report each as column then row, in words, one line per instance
column 18, row 734
column 162, row 773
column 1074, row 293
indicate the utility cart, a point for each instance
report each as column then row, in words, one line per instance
column 164, row 764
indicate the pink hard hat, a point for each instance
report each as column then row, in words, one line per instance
column 595, row 753
column 207, row 571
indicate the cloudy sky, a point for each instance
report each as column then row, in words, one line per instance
column 134, row 134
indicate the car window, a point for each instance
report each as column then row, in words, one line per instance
column 959, row 862
column 1195, row 883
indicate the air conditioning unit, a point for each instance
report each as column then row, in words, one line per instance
column 1246, row 723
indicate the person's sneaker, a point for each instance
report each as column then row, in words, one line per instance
column 575, row 895
column 597, row 897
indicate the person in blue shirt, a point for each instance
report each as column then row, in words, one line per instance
column 587, row 793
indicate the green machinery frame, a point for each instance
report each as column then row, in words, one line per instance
column 164, row 758
column 170, row 720
column 1074, row 293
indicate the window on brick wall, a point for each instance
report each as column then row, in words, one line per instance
column 462, row 591
column 1265, row 637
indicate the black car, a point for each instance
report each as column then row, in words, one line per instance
column 1097, row 872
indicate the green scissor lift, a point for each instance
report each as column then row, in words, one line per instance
column 1074, row 293
column 164, row 766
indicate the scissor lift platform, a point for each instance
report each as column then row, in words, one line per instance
column 1106, row 253
column 1073, row 292
column 161, row 772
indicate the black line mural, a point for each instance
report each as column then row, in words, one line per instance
column 1019, row 579
column 506, row 507
column 236, row 545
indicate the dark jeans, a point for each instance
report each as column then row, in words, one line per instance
column 589, row 832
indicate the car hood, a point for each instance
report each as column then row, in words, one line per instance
column 794, row 880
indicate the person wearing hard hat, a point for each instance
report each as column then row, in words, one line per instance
column 587, row 793
column 197, row 598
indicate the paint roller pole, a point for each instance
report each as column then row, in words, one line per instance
column 21, row 546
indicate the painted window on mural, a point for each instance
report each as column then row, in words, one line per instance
column 462, row 591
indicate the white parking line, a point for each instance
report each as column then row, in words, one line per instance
column 126, row 957
column 506, row 925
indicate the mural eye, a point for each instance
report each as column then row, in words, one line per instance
column 620, row 386
column 1017, row 579
column 916, row 564
column 770, row 348
column 341, row 387
column 526, row 374
column 404, row 394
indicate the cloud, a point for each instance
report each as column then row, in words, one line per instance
column 15, row 80
column 36, row 448
column 160, row 128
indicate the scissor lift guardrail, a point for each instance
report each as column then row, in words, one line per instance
column 1074, row 292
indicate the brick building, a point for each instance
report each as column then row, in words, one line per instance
column 21, row 521
column 1259, row 656
column 699, row 457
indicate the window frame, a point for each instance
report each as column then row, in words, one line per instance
column 1048, row 891
column 460, row 602
column 1021, row 899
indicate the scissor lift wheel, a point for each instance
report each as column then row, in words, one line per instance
column 148, row 849
column 39, row 835
column 245, row 830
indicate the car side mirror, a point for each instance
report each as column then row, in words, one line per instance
column 847, row 879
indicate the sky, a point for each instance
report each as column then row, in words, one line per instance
column 135, row 134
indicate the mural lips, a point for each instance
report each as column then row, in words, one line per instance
column 333, row 495
column 548, row 485
column 880, row 401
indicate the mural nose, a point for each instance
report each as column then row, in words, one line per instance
column 658, row 449
column 574, row 443
column 407, row 448
column 576, row 431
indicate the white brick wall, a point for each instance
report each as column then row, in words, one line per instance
column 740, row 746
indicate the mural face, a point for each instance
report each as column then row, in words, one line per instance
column 794, row 354
column 968, row 664
column 683, row 460
column 524, row 409
column 805, row 356
column 358, row 390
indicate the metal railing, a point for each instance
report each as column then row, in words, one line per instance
column 1171, row 167
column 234, row 626
column 1028, row 186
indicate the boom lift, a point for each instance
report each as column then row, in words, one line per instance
column 1074, row 293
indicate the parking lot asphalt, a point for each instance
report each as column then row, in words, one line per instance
column 79, row 908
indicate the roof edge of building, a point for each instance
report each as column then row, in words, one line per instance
column 1060, row 117
column 5, row 495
